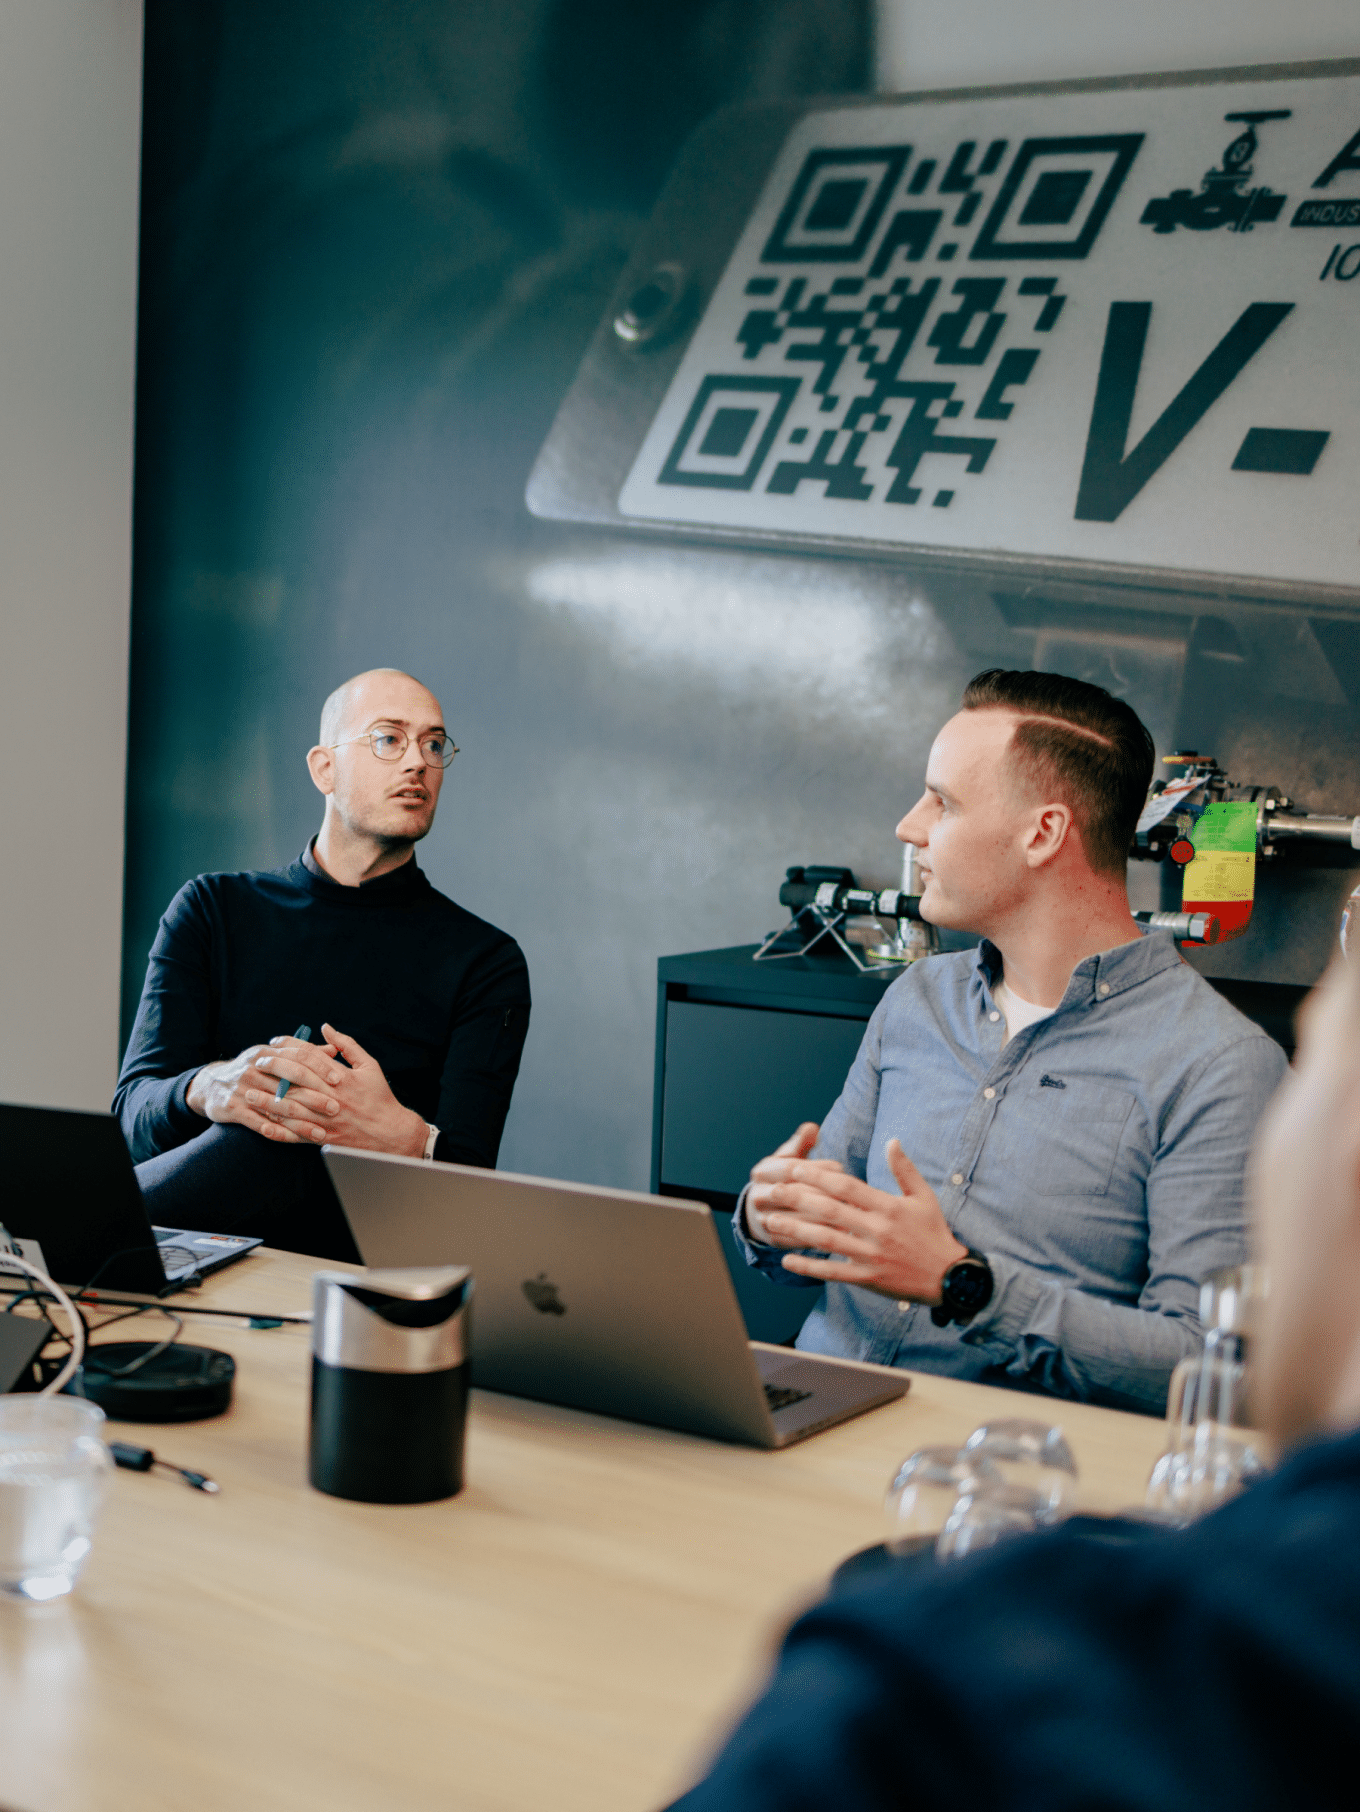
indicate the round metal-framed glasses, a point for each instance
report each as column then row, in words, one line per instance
column 391, row 745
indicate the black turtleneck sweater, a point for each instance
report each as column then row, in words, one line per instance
column 438, row 997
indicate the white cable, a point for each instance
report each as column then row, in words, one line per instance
column 11, row 1261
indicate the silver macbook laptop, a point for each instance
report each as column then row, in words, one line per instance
column 600, row 1299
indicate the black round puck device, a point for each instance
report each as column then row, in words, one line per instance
column 131, row 1382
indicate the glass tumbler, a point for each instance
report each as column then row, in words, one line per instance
column 54, row 1471
column 1033, row 1461
column 1210, row 1450
column 922, row 1497
column 985, row 1516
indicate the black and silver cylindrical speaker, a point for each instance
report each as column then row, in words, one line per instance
column 390, row 1383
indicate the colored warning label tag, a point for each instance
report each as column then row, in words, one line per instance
column 1227, row 874
column 1224, row 867
column 1230, row 824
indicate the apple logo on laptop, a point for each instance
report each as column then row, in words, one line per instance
column 543, row 1295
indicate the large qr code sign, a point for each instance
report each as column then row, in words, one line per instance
column 836, row 203
column 728, row 431
column 948, row 324
column 857, row 333
column 1056, row 196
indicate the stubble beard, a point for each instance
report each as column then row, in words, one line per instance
column 391, row 827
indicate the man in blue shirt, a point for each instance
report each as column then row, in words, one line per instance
column 1103, row 1665
column 1038, row 1154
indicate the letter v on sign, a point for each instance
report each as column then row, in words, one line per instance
column 1110, row 477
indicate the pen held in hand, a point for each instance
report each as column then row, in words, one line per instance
column 305, row 1034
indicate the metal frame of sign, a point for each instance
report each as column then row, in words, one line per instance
column 983, row 213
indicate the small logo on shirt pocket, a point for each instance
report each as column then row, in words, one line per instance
column 1047, row 1081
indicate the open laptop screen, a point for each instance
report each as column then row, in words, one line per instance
column 66, row 1180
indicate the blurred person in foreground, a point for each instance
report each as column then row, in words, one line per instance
column 1213, row 1666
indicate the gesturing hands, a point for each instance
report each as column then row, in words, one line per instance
column 898, row 1245
column 228, row 1092
column 778, row 1168
column 340, row 1103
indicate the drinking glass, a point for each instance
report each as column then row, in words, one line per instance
column 54, row 1471
column 922, row 1497
column 1211, row 1452
column 1032, row 1460
column 983, row 1517
column 1232, row 1301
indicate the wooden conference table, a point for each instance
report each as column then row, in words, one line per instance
column 576, row 1630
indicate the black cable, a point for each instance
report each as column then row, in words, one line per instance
column 187, row 1308
column 67, row 1339
column 142, row 1459
column 29, row 1290
column 92, row 1346
column 129, row 1315
column 40, row 1296
column 152, row 1352
column 99, row 1326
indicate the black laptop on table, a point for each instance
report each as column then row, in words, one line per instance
column 602, row 1299
column 67, row 1183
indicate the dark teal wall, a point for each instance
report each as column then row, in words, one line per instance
column 376, row 239
column 377, row 235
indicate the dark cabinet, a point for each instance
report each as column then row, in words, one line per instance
column 744, row 1052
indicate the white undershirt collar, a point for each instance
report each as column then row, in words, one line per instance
column 1018, row 1013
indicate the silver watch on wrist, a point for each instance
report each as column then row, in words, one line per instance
column 431, row 1135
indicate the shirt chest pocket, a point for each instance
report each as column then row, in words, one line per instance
column 1060, row 1136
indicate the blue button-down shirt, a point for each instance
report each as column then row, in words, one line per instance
column 1096, row 1160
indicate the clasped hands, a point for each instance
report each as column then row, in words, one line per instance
column 898, row 1245
column 329, row 1101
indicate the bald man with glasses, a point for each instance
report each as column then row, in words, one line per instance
column 421, row 1009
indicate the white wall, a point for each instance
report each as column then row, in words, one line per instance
column 70, row 135
column 951, row 43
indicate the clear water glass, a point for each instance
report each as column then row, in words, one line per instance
column 1009, row 1476
column 922, row 1496
column 984, row 1517
column 54, row 1471
column 1032, row 1460
column 1211, row 1452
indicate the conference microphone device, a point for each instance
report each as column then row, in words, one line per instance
column 152, row 1381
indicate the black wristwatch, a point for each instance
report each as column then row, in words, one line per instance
column 965, row 1289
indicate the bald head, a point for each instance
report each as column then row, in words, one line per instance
column 355, row 704
column 380, row 765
